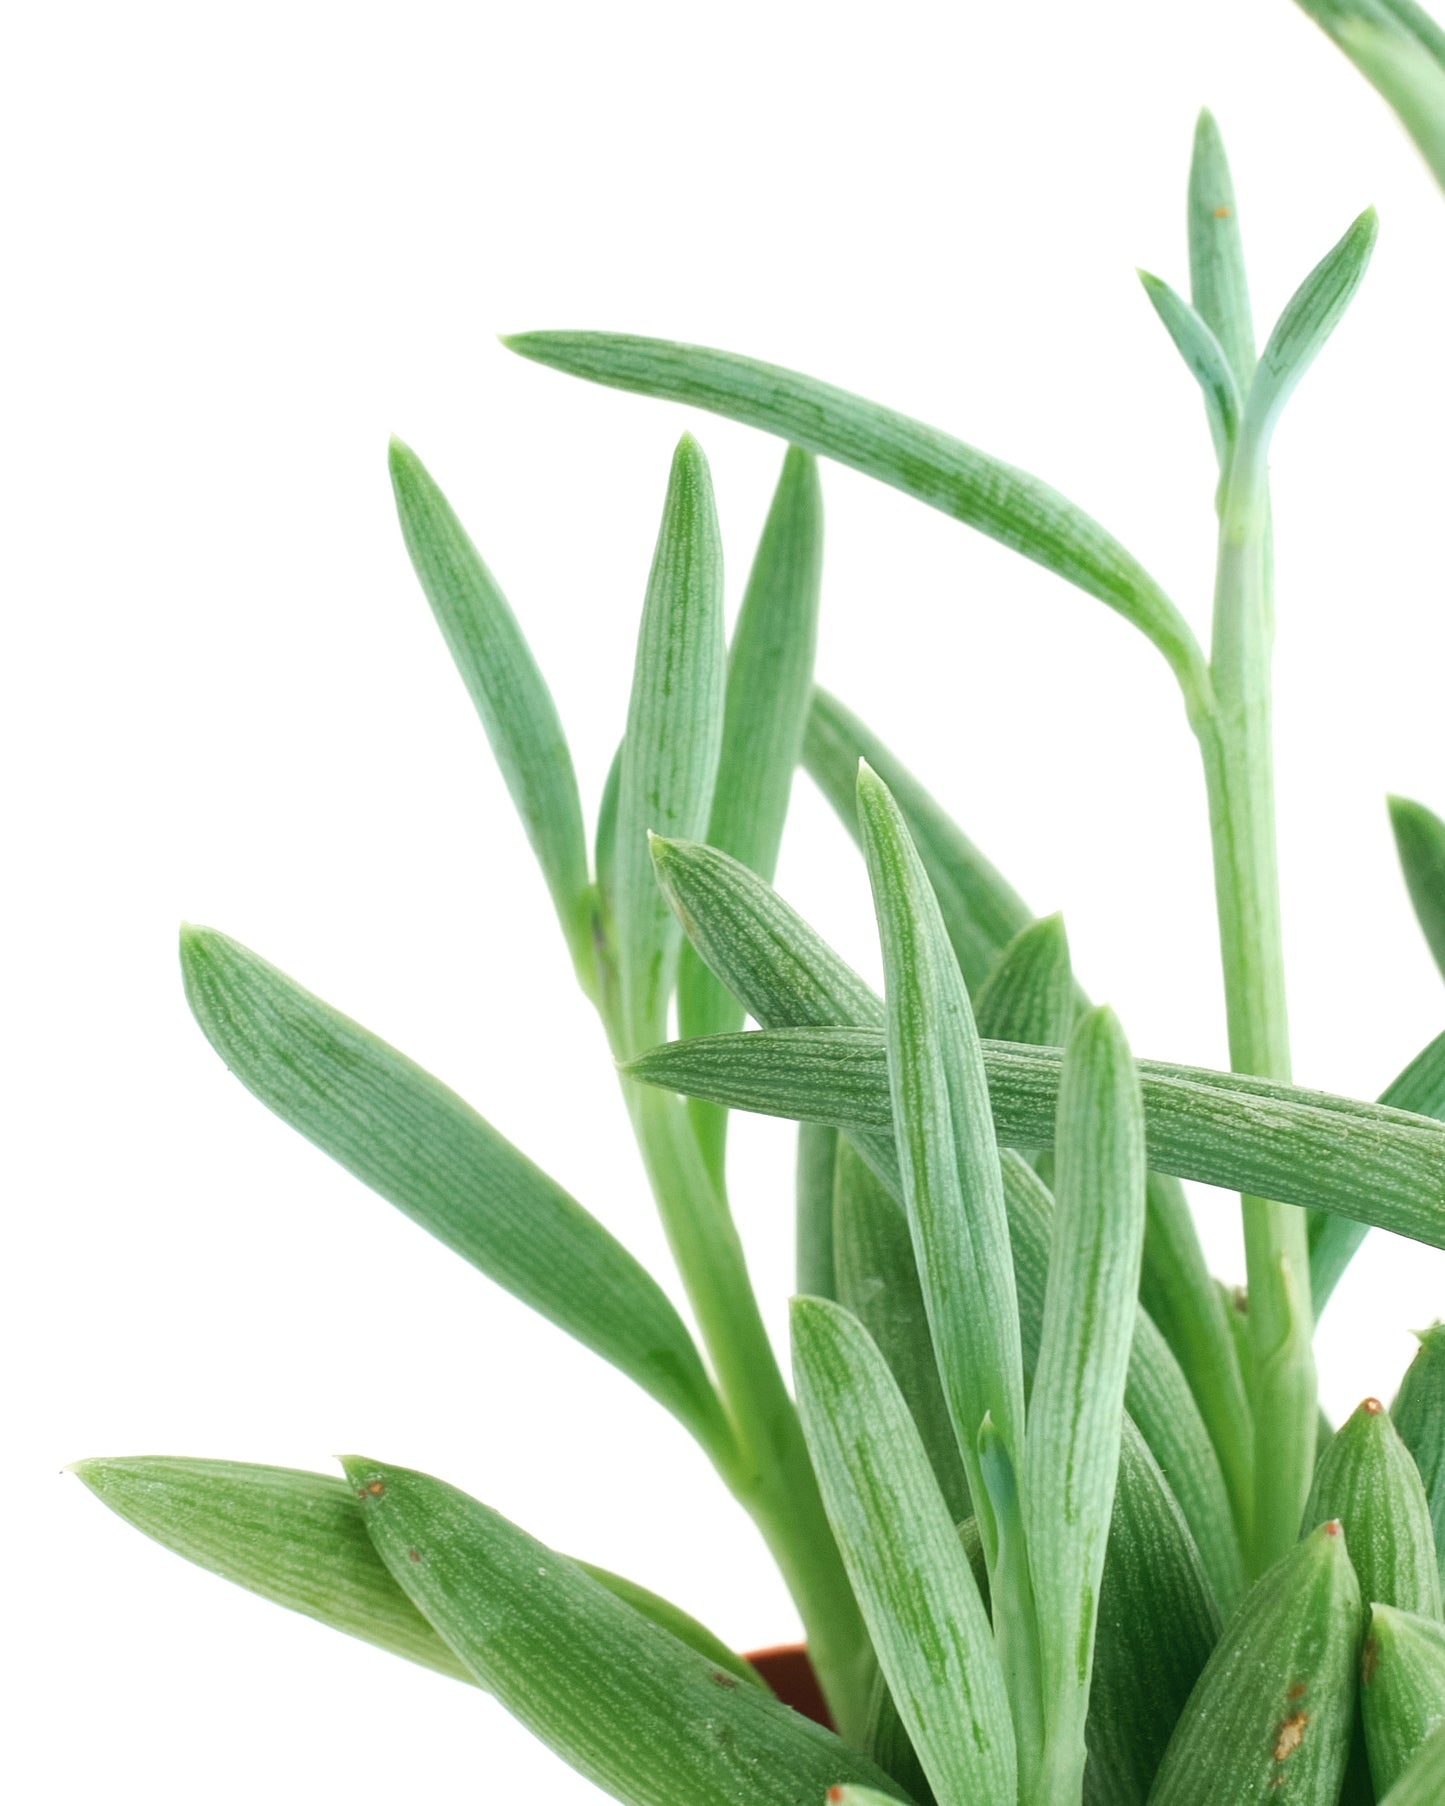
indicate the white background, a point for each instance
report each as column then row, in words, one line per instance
column 243, row 245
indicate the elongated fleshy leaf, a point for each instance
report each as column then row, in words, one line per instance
column 508, row 690
column 298, row 1540
column 624, row 1702
column 910, row 1573
column 1400, row 49
column 1077, row 1405
column 1205, row 357
column 769, row 689
column 1334, row 1241
column 1271, row 1715
column 947, row 1152
column 1419, row 1415
column 1420, row 838
column 1367, row 1479
column 422, row 1148
column 1364, row 1161
column 1402, row 1690
column 1423, row 1782
column 1030, row 995
column 815, row 1264
column 877, row 1281
column 674, row 735
column 1310, row 316
column 1004, row 502
column 982, row 913
column 786, row 974
column 1217, row 282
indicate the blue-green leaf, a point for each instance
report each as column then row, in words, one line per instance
column 1334, row 1241
column 408, row 1137
column 1400, row 49
column 1419, row 1415
column 508, row 690
column 639, row 1713
column 908, row 1568
column 298, row 1539
column 947, row 1152
column 996, row 498
column 1077, row 1405
column 1310, row 316
column 769, row 688
column 1217, row 283
column 1363, row 1161
column 1205, row 357
column 1367, row 1479
column 1030, row 995
column 674, row 736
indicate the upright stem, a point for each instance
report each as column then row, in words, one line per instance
column 1235, row 738
column 773, row 1479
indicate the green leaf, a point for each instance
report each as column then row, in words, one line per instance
column 1077, row 1404
column 983, row 492
column 1178, row 1292
column 408, row 1137
column 877, row 1280
column 910, row 1573
column 674, row 736
column 1334, row 1241
column 1420, row 838
column 1311, row 315
column 1419, row 1415
column 1402, row 1690
column 1271, row 1715
column 1400, row 49
column 1206, row 358
column 1364, row 1161
column 947, row 1153
column 1030, row 995
column 624, row 1702
column 981, row 910
column 769, row 688
column 786, row 974
column 1423, row 1783
column 1015, row 1613
column 816, row 1265
column 1368, row 1481
column 1157, row 1624
column 982, row 913
column 1216, row 253
column 298, row 1539
column 507, row 689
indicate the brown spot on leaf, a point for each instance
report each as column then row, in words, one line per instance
column 1333, row 1528
column 835, row 1794
column 411, row 1555
column 376, row 1489
column 1372, row 1407
column 1369, row 1661
column 722, row 1679
column 1297, row 1691
column 1291, row 1735
column 1221, row 213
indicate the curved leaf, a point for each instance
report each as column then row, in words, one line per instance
column 624, row 1702
column 983, row 492
column 1400, row 49
column 408, row 1137
column 1420, row 839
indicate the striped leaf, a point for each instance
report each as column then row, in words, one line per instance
column 946, row 1148
column 298, row 1539
column 1077, row 1405
column 1367, row 1479
column 507, row 689
column 1206, row 359
column 408, row 1137
column 1400, row 50
column 908, row 1568
column 1402, row 1690
column 674, row 736
column 1419, row 1415
column 1217, row 283
column 1423, row 1782
column 646, row 1718
column 996, row 498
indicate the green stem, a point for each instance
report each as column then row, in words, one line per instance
column 772, row 1477
column 1235, row 738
